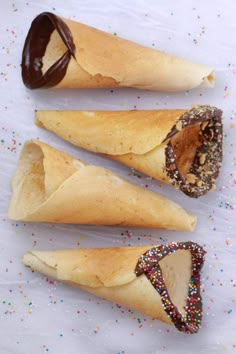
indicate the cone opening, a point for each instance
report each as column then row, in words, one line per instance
column 185, row 144
column 194, row 151
column 40, row 173
column 31, row 191
column 47, row 52
column 148, row 264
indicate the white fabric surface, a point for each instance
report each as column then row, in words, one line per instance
column 38, row 315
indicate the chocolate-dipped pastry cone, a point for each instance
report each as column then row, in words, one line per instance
column 50, row 186
column 62, row 53
column 160, row 281
column 179, row 147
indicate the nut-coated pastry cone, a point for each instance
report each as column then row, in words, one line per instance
column 50, row 186
column 159, row 281
column 179, row 147
column 62, row 53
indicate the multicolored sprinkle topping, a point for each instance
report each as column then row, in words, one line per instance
column 148, row 264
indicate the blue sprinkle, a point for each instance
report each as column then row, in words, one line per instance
column 230, row 311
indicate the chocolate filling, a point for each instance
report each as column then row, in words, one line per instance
column 194, row 150
column 35, row 47
column 148, row 265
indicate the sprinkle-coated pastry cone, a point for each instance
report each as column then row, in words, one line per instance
column 51, row 186
column 62, row 53
column 179, row 147
column 160, row 281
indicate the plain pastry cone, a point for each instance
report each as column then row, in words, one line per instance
column 50, row 186
column 179, row 147
column 62, row 53
column 111, row 274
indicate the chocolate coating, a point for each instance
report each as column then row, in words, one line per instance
column 211, row 137
column 34, row 49
column 148, row 265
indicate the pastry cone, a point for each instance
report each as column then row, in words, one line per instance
column 50, row 186
column 179, row 147
column 62, row 53
column 159, row 281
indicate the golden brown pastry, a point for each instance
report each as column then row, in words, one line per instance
column 51, row 186
column 160, row 281
column 179, row 147
column 62, row 53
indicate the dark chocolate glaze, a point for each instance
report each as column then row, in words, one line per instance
column 34, row 49
column 148, row 264
column 211, row 137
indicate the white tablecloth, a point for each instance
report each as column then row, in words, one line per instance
column 39, row 315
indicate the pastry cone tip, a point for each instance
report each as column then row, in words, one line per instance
column 209, row 80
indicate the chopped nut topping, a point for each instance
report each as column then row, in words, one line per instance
column 204, row 125
column 191, row 178
column 208, row 158
column 202, row 159
column 179, row 125
column 211, row 134
column 199, row 183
